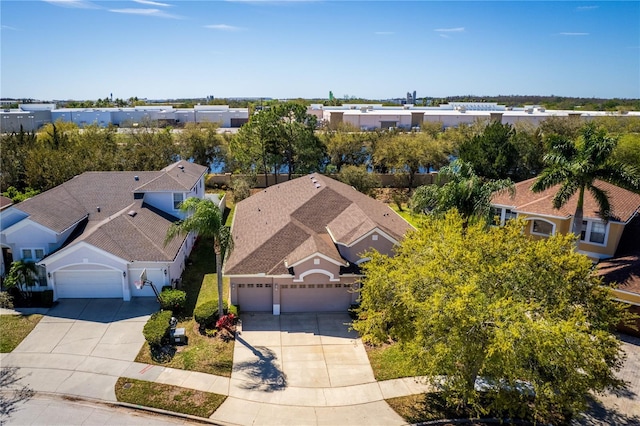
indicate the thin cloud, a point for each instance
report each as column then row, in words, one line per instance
column 450, row 30
column 156, row 13
column 443, row 35
column 223, row 27
column 8, row 27
column 384, row 33
column 587, row 7
column 574, row 34
column 151, row 3
column 74, row 4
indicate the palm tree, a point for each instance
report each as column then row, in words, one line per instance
column 459, row 187
column 576, row 164
column 22, row 275
column 205, row 219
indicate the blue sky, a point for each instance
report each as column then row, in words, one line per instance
column 77, row 49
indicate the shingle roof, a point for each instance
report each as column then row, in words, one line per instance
column 67, row 204
column 135, row 237
column 292, row 220
column 179, row 176
column 5, row 202
column 624, row 203
column 104, row 198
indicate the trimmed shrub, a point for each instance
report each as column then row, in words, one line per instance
column 173, row 300
column 47, row 298
column 206, row 314
column 234, row 309
column 157, row 328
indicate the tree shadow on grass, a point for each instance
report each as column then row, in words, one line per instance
column 266, row 374
column 201, row 262
column 12, row 394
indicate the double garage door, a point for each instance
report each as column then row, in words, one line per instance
column 295, row 298
column 88, row 284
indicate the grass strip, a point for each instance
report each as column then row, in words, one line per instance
column 14, row 329
column 168, row 397
column 390, row 362
column 209, row 355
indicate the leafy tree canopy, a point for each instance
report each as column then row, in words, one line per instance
column 471, row 305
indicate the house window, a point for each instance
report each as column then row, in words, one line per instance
column 374, row 237
column 32, row 255
column 509, row 214
column 541, row 227
column 500, row 216
column 42, row 276
column 593, row 232
column 178, row 198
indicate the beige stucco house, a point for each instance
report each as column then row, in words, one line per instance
column 299, row 244
column 598, row 240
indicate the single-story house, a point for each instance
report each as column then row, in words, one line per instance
column 298, row 245
column 598, row 240
column 92, row 236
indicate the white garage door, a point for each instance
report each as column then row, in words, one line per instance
column 88, row 284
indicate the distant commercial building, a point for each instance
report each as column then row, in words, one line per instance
column 33, row 116
column 376, row 116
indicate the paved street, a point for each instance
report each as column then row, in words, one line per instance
column 55, row 410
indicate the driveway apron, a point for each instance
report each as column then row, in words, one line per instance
column 79, row 335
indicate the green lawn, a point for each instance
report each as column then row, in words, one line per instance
column 168, row 397
column 14, row 329
column 204, row 354
column 413, row 218
column 390, row 362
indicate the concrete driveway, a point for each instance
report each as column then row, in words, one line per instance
column 105, row 328
column 299, row 369
column 81, row 346
column 299, row 350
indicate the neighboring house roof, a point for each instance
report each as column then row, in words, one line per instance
column 103, row 200
column 290, row 221
column 180, row 176
column 137, row 233
column 5, row 202
column 79, row 198
column 624, row 203
column 624, row 268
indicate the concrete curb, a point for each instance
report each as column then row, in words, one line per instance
column 72, row 398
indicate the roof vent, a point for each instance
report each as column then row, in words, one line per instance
column 98, row 208
column 132, row 213
column 181, row 167
column 317, row 185
column 136, row 178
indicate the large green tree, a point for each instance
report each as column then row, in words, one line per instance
column 204, row 219
column 457, row 186
column 281, row 135
column 202, row 143
column 492, row 152
column 409, row 153
column 471, row 305
column 347, row 145
column 575, row 164
column 14, row 150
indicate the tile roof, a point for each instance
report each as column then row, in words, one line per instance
column 292, row 220
column 624, row 203
column 623, row 270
